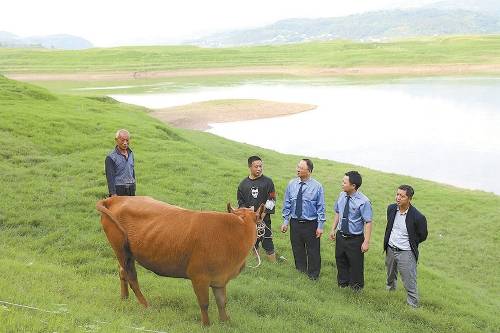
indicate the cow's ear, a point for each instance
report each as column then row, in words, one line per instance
column 261, row 213
column 229, row 208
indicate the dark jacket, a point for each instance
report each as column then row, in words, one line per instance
column 416, row 224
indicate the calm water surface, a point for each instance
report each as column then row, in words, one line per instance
column 446, row 130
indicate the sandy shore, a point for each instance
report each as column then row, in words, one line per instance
column 444, row 69
column 199, row 115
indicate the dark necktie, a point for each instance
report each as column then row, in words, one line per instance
column 298, row 203
column 344, row 227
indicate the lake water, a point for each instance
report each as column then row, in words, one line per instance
column 441, row 129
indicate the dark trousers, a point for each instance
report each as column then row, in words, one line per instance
column 125, row 190
column 306, row 247
column 267, row 239
column 350, row 261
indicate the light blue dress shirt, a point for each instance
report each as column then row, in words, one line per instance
column 313, row 201
column 360, row 211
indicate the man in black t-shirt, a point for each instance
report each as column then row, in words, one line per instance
column 254, row 190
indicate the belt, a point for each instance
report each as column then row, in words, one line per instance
column 303, row 220
column 397, row 249
column 126, row 185
column 347, row 236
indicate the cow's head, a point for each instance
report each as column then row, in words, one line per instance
column 248, row 213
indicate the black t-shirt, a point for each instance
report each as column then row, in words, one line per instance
column 254, row 192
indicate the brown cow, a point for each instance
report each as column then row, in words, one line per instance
column 209, row 248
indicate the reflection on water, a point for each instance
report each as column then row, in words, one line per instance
column 445, row 130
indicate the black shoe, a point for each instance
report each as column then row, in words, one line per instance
column 314, row 278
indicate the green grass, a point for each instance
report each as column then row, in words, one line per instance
column 55, row 257
column 438, row 50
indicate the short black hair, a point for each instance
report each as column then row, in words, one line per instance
column 252, row 159
column 310, row 165
column 354, row 178
column 408, row 189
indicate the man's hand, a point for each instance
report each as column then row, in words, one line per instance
column 332, row 235
column 284, row 228
column 365, row 246
column 319, row 232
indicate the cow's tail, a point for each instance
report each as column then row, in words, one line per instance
column 101, row 207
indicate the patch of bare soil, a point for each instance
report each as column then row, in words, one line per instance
column 198, row 115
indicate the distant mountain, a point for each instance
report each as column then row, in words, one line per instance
column 4, row 35
column 63, row 42
column 369, row 26
column 487, row 7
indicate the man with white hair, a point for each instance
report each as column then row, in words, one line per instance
column 119, row 166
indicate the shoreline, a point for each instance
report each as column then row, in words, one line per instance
column 409, row 70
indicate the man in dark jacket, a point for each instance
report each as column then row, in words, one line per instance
column 406, row 229
column 119, row 166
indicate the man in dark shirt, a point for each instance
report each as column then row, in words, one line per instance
column 119, row 166
column 254, row 190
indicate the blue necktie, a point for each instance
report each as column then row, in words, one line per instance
column 344, row 227
column 298, row 203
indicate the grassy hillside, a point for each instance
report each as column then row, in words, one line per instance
column 442, row 50
column 54, row 256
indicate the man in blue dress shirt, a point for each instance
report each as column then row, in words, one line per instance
column 352, row 228
column 304, row 212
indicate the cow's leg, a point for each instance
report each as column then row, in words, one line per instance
column 123, row 282
column 220, row 298
column 134, row 284
column 201, row 290
column 117, row 240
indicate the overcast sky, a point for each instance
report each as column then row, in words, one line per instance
column 128, row 22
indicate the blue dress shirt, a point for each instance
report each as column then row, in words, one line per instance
column 313, row 201
column 360, row 211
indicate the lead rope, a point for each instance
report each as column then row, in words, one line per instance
column 258, row 258
column 261, row 230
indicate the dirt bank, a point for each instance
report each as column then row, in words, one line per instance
column 199, row 115
column 445, row 69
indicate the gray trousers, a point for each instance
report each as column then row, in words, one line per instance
column 403, row 262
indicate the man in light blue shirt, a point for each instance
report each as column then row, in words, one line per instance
column 352, row 228
column 304, row 212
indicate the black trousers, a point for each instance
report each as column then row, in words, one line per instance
column 306, row 247
column 125, row 190
column 267, row 239
column 350, row 261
